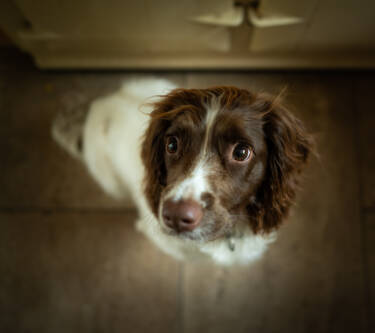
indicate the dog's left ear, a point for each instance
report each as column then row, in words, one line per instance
column 152, row 154
column 289, row 146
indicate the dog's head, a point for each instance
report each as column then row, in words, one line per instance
column 219, row 157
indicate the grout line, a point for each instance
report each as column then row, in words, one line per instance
column 362, row 210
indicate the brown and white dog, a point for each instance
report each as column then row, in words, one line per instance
column 213, row 171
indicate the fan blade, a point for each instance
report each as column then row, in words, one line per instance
column 229, row 18
column 271, row 21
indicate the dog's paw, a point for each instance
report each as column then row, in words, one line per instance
column 67, row 127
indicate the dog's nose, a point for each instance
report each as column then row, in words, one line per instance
column 183, row 215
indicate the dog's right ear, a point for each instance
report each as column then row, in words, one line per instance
column 152, row 154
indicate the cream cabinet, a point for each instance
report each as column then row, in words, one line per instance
column 191, row 34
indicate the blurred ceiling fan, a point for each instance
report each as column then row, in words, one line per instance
column 242, row 18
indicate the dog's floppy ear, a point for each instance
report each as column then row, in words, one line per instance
column 289, row 146
column 152, row 154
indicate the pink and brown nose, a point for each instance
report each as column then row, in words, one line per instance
column 183, row 215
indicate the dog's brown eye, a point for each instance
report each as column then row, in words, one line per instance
column 241, row 152
column 172, row 145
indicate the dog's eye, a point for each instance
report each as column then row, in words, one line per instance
column 241, row 152
column 172, row 145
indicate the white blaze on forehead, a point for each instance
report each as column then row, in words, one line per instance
column 196, row 183
column 212, row 111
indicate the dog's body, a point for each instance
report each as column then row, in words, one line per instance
column 166, row 156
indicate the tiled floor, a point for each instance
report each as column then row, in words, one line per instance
column 71, row 261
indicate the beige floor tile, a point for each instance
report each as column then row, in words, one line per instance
column 36, row 173
column 311, row 279
column 366, row 115
column 83, row 273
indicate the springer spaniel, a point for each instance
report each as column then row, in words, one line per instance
column 212, row 171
